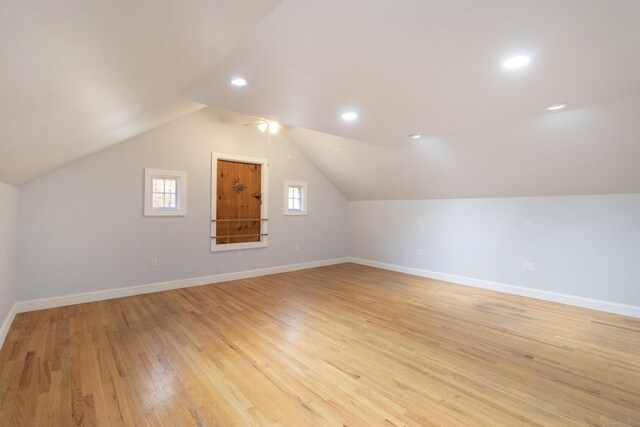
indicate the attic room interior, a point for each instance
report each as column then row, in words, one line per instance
column 336, row 213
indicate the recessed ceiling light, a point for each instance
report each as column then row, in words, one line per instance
column 517, row 61
column 415, row 136
column 556, row 107
column 238, row 81
column 349, row 116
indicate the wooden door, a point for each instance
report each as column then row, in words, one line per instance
column 239, row 202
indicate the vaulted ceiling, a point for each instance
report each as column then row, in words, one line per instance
column 79, row 77
column 432, row 67
column 589, row 150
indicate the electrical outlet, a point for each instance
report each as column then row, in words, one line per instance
column 418, row 252
column 154, row 262
column 418, row 220
column 240, row 253
column 529, row 266
column 297, row 247
column 528, row 225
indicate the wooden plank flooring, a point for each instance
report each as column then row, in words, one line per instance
column 340, row 345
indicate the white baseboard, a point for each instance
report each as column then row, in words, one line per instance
column 6, row 324
column 40, row 304
column 593, row 304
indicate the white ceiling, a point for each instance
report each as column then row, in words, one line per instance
column 77, row 76
column 590, row 150
column 434, row 67
column 428, row 66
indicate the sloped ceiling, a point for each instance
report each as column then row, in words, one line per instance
column 77, row 76
column 590, row 150
column 433, row 67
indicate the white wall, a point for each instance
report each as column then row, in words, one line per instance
column 586, row 246
column 8, row 248
column 81, row 228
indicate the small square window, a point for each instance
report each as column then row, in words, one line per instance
column 165, row 193
column 295, row 198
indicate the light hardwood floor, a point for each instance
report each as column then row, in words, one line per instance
column 339, row 345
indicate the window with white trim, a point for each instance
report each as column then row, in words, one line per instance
column 165, row 193
column 296, row 196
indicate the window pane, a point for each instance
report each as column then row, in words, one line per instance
column 290, row 192
column 170, row 185
column 290, row 203
column 158, row 185
column 296, row 192
column 169, row 200
column 158, row 200
column 296, row 204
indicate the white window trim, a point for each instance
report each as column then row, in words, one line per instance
column 181, row 196
column 263, row 208
column 305, row 197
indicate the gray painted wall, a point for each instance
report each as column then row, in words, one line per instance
column 81, row 228
column 586, row 246
column 8, row 247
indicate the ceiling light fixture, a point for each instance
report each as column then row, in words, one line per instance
column 274, row 127
column 238, row 81
column 349, row 116
column 517, row 61
column 415, row 136
column 556, row 107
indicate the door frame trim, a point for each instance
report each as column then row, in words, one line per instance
column 264, row 188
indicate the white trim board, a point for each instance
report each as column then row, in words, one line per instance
column 63, row 300
column 6, row 324
column 44, row 303
column 59, row 301
column 264, row 188
column 593, row 304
